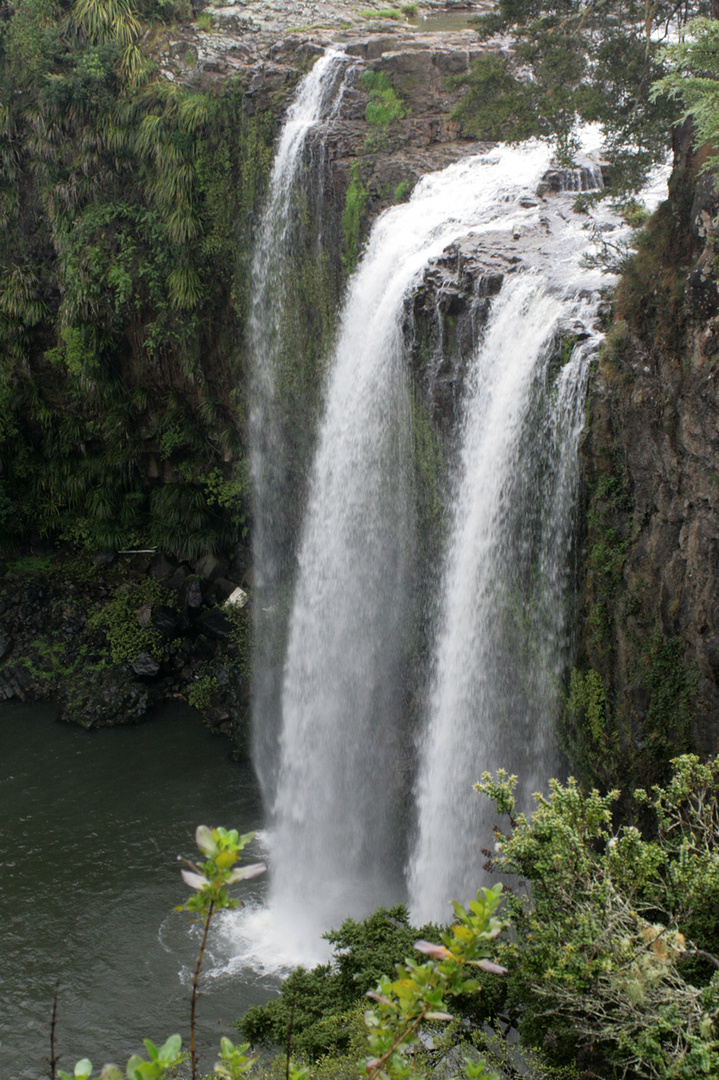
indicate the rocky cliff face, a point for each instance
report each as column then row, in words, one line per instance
column 264, row 47
column 649, row 615
column 58, row 619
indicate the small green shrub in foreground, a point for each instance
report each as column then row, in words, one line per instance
column 613, row 963
column 611, row 969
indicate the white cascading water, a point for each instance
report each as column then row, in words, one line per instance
column 503, row 638
column 317, row 98
column 337, row 845
column 337, row 838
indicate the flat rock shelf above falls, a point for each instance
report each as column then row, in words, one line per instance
column 270, row 58
column 251, row 36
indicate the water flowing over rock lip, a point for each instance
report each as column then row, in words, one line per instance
column 536, row 232
column 509, row 203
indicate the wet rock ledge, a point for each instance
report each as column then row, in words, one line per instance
column 110, row 637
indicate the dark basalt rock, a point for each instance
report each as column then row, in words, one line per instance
column 106, row 699
column 652, row 447
column 178, row 579
column 104, row 558
column 165, row 620
column 702, row 291
column 210, row 567
column 215, row 623
column 161, row 569
column 222, row 589
column 190, row 595
column 145, row 665
column 48, row 652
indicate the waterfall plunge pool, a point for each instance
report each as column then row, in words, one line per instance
column 91, row 824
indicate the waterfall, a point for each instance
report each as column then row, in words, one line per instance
column 504, row 634
column 318, row 97
column 337, row 846
column 331, row 744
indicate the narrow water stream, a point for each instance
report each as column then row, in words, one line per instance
column 91, row 824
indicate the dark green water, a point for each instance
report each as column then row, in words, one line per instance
column 91, row 824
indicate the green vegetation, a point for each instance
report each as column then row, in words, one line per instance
column 429, row 465
column 602, row 736
column 693, row 81
column 607, row 546
column 418, row 995
column 30, row 566
column 613, row 925
column 381, row 13
column 126, row 621
column 352, row 215
column 670, row 692
column 496, row 105
column 588, row 703
column 610, row 968
column 633, row 645
column 596, row 64
column 159, row 1062
column 384, row 105
column 211, row 881
column 650, row 297
column 126, row 204
column 319, row 1004
column 202, row 692
column 423, row 991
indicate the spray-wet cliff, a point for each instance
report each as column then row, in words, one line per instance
column 646, row 685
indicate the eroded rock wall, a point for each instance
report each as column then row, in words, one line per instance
column 647, row 684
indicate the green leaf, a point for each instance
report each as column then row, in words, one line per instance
column 171, row 1048
column 132, row 1067
column 110, row 1072
column 152, row 1051
column 205, row 841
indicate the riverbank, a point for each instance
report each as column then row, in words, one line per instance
column 111, row 637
